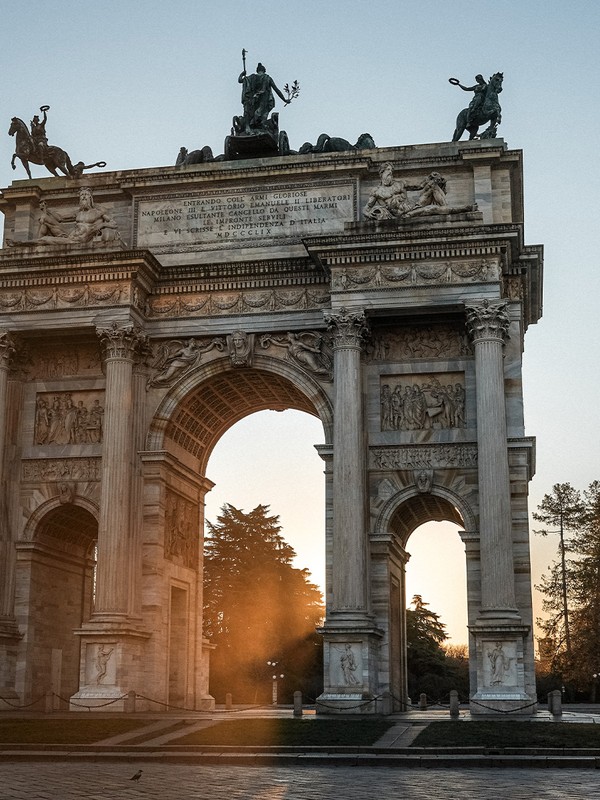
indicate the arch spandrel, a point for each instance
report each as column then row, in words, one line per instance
column 197, row 411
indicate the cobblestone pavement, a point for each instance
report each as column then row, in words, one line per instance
column 66, row 781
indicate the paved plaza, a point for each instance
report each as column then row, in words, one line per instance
column 64, row 781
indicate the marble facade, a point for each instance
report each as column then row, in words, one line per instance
column 216, row 290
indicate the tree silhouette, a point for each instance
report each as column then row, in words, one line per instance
column 258, row 608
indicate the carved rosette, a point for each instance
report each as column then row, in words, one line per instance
column 122, row 342
column 349, row 329
column 488, row 321
column 7, row 349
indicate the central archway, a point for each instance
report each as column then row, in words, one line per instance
column 187, row 425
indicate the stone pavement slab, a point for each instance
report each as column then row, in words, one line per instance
column 111, row 781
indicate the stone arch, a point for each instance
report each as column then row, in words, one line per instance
column 56, row 561
column 401, row 515
column 408, row 509
column 223, row 395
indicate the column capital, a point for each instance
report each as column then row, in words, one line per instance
column 122, row 341
column 488, row 321
column 349, row 328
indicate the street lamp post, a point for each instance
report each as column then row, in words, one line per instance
column 273, row 664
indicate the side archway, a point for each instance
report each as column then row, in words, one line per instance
column 56, row 562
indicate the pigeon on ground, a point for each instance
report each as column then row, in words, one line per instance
column 137, row 776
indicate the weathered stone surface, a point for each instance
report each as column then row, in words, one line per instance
column 248, row 285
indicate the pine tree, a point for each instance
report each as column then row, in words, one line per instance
column 258, row 607
column 563, row 510
column 426, row 659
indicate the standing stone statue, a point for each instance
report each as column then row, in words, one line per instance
column 257, row 99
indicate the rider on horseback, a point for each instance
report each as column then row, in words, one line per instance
column 38, row 133
column 476, row 103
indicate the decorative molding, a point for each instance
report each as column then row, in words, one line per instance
column 58, row 470
column 444, row 272
column 439, row 456
column 210, row 304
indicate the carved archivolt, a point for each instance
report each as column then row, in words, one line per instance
column 182, row 530
column 411, row 404
column 68, row 418
column 427, row 457
column 419, row 273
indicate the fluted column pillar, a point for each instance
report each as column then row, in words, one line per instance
column 488, row 324
column 8, row 626
column 121, row 344
column 349, row 564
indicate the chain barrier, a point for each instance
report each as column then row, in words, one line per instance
column 503, row 710
column 90, row 707
column 26, row 705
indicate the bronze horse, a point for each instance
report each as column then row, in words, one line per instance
column 52, row 157
column 488, row 111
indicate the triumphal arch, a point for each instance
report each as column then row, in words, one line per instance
column 387, row 291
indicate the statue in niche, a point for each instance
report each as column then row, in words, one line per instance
column 176, row 358
column 390, row 198
column 348, row 666
column 484, row 107
column 335, row 144
column 93, row 226
column 240, row 347
column 102, row 658
column 306, row 349
column 500, row 664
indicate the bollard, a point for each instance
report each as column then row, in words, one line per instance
column 297, row 704
column 49, row 702
column 228, row 701
column 129, row 704
column 555, row 703
column 454, row 703
column 422, row 702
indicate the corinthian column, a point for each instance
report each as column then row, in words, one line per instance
column 122, row 344
column 7, row 554
column 488, row 325
column 349, row 565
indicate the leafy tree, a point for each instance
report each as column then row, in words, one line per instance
column 426, row 660
column 258, row 608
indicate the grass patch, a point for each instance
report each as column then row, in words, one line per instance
column 509, row 734
column 63, row 731
column 289, row 733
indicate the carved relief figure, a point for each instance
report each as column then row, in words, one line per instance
column 390, row 198
column 93, row 225
column 176, row 358
column 440, row 341
column 500, row 664
column 182, row 536
column 417, row 458
column 422, row 406
column 240, row 346
column 60, row 421
column 348, row 666
column 307, row 349
column 102, row 657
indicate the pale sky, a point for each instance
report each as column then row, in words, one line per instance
column 131, row 81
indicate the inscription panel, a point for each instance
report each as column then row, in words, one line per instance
column 241, row 216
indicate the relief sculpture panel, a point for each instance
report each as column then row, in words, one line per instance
column 68, row 418
column 434, row 341
column 423, row 402
column 182, row 539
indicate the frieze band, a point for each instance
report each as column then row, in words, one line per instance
column 428, row 457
